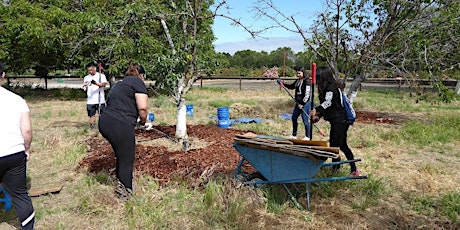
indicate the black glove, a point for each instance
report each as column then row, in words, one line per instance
column 93, row 82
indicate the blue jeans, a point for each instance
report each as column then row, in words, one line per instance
column 305, row 112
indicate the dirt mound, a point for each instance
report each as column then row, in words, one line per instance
column 241, row 110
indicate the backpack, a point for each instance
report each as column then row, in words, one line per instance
column 349, row 111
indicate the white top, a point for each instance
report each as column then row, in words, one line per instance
column 95, row 95
column 11, row 139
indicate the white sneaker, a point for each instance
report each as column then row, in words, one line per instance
column 305, row 139
column 292, row 137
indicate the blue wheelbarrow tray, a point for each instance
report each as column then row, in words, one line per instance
column 284, row 168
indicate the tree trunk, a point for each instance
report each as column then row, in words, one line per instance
column 181, row 125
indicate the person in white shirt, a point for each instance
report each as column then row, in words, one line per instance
column 15, row 141
column 94, row 84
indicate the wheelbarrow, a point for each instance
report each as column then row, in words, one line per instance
column 280, row 161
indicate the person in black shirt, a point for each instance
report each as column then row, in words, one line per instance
column 302, row 87
column 126, row 102
column 331, row 109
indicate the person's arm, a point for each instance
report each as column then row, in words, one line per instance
column 306, row 98
column 85, row 84
column 142, row 106
column 26, row 131
column 290, row 86
column 103, row 82
column 319, row 110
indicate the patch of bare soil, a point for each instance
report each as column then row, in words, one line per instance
column 210, row 151
column 379, row 117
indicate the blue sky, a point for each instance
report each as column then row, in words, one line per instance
column 231, row 38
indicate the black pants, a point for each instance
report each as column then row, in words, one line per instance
column 13, row 178
column 338, row 138
column 122, row 139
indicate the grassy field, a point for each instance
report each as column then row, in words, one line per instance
column 413, row 170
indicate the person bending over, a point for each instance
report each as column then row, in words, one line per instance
column 126, row 102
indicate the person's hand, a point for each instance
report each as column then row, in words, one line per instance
column 299, row 106
column 28, row 155
column 313, row 112
column 315, row 119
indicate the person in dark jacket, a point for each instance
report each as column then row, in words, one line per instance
column 331, row 109
column 302, row 87
column 126, row 102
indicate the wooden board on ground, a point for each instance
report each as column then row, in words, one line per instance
column 44, row 191
column 312, row 143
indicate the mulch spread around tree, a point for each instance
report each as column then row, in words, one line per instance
column 209, row 152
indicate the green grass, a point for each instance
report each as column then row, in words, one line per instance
column 86, row 202
column 439, row 130
column 448, row 204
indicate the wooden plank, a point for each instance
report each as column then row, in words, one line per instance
column 34, row 192
column 299, row 150
column 263, row 144
column 274, row 139
column 334, row 150
column 311, row 142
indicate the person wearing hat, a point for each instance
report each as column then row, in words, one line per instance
column 94, row 84
column 126, row 103
column 15, row 141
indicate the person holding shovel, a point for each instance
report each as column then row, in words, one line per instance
column 302, row 87
column 126, row 102
column 15, row 141
column 331, row 109
column 94, row 84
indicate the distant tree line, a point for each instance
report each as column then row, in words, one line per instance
column 252, row 63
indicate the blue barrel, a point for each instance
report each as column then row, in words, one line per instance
column 223, row 115
column 189, row 111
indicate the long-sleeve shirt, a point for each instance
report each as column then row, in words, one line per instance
column 331, row 106
column 302, row 90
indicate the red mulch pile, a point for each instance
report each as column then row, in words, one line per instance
column 218, row 157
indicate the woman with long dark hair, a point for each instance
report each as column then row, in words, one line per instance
column 331, row 109
column 126, row 102
column 302, row 87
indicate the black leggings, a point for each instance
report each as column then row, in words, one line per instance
column 122, row 139
column 338, row 138
column 13, row 178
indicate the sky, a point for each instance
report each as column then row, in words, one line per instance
column 231, row 38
